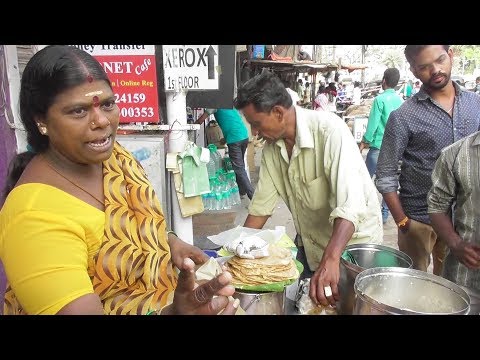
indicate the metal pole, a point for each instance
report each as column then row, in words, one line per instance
column 363, row 62
column 177, row 116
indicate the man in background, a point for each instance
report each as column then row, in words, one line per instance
column 477, row 85
column 300, row 89
column 293, row 94
column 416, row 88
column 437, row 116
column 382, row 106
column 236, row 137
column 357, row 93
column 307, row 96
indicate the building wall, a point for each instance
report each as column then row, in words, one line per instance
column 8, row 144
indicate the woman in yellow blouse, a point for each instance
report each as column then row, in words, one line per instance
column 81, row 230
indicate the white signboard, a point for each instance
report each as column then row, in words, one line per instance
column 359, row 128
column 190, row 67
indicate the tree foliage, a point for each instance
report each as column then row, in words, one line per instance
column 467, row 58
column 393, row 58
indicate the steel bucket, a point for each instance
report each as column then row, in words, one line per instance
column 362, row 257
column 262, row 303
column 474, row 300
column 400, row 291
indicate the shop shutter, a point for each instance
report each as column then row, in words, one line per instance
column 24, row 53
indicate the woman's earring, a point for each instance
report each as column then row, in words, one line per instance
column 42, row 129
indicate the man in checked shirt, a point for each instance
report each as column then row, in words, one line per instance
column 456, row 186
column 437, row 116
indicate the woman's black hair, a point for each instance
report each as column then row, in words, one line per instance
column 51, row 71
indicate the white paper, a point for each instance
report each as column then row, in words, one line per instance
column 226, row 237
column 205, row 155
column 248, row 247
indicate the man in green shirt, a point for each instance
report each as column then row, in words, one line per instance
column 236, row 136
column 312, row 162
column 382, row 106
column 407, row 89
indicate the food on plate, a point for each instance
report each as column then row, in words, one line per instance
column 276, row 267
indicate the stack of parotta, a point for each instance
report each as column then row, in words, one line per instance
column 276, row 267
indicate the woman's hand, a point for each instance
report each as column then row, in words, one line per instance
column 180, row 250
column 324, row 283
column 193, row 299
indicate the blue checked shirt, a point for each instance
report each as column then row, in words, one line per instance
column 416, row 133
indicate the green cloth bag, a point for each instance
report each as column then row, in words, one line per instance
column 194, row 172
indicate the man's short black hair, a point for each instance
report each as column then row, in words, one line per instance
column 391, row 77
column 413, row 50
column 264, row 91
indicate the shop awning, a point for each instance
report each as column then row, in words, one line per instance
column 298, row 66
column 304, row 66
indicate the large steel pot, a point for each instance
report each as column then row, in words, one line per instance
column 400, row 291
column 474, row 300
column 261, row 303
column 361, row 257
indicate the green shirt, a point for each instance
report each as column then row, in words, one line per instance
column 382, row 106
column 325, row 178
column 408, row 90
column 231, row 123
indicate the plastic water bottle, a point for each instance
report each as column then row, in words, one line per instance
column 235, row 193
column 216, row 156
column 226, row 203
column 218, row 195
column 142, row 154
column 227, row 163
column 208, row 201
column 221, row 175
column 211, row 201
column 211, row 167
column 205, row 200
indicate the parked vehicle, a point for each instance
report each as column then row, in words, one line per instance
column 458, row 79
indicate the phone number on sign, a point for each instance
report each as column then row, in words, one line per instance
column 136, row 98
column 137, row 112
